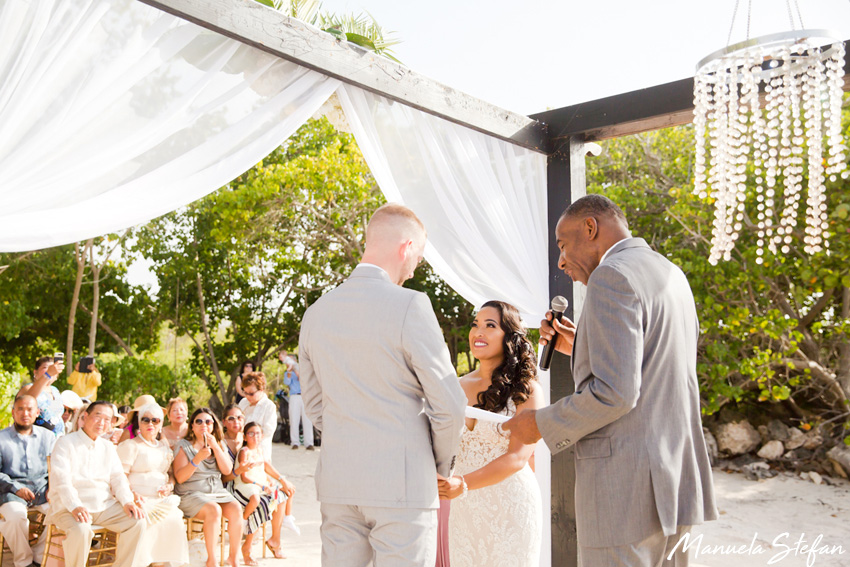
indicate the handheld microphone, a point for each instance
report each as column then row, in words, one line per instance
column 559, row 305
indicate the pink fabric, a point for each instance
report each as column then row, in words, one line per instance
column 443, row 534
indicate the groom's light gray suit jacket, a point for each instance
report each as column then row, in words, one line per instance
column 377, row 381
column 641, row 458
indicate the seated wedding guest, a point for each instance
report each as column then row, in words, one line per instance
column 131, row 428
column 50, row 406
column 23, row 478
column 246, row 368
column 147, row 462
column 122, row 416
column 234, row 420
column 259, row 408
column 254, row 474
column 199, row 462
column 73, row 404
column 88, row 486
column 85, row 381
column 177, row 412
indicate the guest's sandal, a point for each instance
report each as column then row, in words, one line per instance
column 278, row 554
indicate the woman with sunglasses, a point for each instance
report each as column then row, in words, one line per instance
column 199, row 462
column 147, row 462
column 258, row 408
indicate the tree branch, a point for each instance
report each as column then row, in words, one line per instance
column 111, row 333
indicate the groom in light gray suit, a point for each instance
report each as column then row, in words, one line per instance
column 377, row 381
column 642, row 470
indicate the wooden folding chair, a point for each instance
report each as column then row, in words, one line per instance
column 104, row 548
column 36, row 519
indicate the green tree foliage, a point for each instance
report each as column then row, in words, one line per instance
column 35, row 298
column 774, row 334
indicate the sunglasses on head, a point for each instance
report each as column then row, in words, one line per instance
column 200, row 421
column 154, row 420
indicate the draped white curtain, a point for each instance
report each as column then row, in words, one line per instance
column 482, row 200
column 113, row 113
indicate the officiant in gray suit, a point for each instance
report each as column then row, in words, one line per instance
column 642, row 471
column 377, row 381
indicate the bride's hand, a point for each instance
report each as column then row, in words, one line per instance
column 451, row 488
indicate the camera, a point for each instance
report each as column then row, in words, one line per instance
column 86, row 363
column 58, row 357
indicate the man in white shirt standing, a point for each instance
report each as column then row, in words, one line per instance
column 88, row 486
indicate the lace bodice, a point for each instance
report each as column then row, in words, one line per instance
column 483, row 443
column 499, row 525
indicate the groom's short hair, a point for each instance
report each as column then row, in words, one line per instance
column 397, row 217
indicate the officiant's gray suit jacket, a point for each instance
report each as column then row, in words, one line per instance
column 641, row 459
column 377, row 381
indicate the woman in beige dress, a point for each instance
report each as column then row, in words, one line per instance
column 147, row 462
column 200, row 460
column 177, row 412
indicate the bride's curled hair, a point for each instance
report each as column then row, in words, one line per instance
column 512, row 378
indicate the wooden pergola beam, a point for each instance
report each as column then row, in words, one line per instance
column 661, row 106
column 272, row 31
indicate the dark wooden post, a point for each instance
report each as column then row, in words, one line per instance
column 566, row 182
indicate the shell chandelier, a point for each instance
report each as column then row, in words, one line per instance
column 773, row 102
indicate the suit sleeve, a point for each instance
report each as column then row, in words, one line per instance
column 429, row 359
column 613, row 317
column 311, row 389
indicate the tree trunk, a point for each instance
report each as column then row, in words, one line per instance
column 80, row 257
column 208, row 340
column 843, row 372
column 95, row 306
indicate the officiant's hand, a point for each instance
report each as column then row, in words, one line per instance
column 564, row 331
column 523, row 427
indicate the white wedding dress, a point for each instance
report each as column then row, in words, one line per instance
column 499, row 525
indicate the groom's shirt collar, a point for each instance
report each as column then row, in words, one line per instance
column 371, row 266
column 612, row 247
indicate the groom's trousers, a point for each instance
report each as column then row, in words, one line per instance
column 357, row 536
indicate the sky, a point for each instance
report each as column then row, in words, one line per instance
column 534, row 55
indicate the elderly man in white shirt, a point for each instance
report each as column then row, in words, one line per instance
column 88, row 486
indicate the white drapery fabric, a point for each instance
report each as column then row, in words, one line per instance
column 113, row 113
column 482, row 200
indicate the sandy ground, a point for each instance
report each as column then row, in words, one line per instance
column 754, row 516
column 763, row 523
column 783, row 521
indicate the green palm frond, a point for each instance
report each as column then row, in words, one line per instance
column 361, row 29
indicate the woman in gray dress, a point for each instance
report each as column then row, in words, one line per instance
column 199, row 462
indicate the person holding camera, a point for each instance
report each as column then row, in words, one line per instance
column 85, row 378
column 50, row 405
column 297, row 412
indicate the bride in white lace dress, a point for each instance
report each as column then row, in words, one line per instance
column 496, row 513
